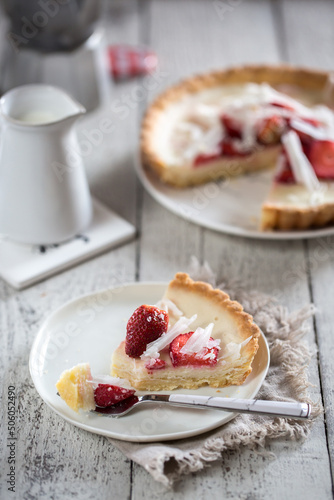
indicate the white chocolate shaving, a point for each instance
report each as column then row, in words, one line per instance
column 153, row 348
column 232, row 351
column 301, row 167
column 198, row 341
column 169, row 306
column 318, row 133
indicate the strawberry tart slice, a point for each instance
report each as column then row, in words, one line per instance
column 194, row 336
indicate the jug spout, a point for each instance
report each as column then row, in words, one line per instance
column 39, row 104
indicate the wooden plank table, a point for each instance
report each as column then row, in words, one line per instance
column 55, row 460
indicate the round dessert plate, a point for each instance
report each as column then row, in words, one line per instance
column 231, row 206
column 88, row 329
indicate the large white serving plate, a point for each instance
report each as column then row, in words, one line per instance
column 88, row 329
column 232, row 206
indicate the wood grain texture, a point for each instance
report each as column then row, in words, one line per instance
column 56, row 460
column 315, row 50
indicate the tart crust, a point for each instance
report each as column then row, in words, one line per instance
column 273, row 216
column 232, row 324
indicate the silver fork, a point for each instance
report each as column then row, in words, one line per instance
column 256, row 406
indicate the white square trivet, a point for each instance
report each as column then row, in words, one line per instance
column 24, row 265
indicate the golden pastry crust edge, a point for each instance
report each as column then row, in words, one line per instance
column 288, row 218
column 244, row 321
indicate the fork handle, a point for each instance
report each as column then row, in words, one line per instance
column 276, row 408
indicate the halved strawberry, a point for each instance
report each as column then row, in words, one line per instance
column 207, row 358
column 271, row 129
column 146, row 324
column 107, row 395
column 233, row 128
column 321, row 155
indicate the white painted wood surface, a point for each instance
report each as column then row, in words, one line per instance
column 56, row 460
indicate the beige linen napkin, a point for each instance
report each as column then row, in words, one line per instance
column 286, row 380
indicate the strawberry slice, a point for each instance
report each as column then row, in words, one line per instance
column 271, row 129
column 233, row 128
column 207, row 358
column 146, row 324
column 106, row 395
column 321, row 155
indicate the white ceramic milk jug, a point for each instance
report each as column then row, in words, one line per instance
column 44, row 194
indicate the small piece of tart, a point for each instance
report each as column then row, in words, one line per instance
column 224, row 342
column 81, row 391
column 232, row 122
column 75, row 388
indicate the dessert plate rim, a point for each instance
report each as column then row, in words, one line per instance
column 58, row 346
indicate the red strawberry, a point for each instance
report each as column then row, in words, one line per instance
column 155, row 364
column 180, row 359
column 106, row 394
column 285, row 175
column 229, row 149
column 204, row 158
column 233, row 128
column 321, row 155
column 271, row 129
column 146, row 324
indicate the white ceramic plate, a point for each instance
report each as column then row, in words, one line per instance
column 232, row 206
column 88, row 329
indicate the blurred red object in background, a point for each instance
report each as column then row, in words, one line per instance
column 129, row 61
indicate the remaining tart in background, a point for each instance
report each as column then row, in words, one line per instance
column 195, row 336
column 234, row 122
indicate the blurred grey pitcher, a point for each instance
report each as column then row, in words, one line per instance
column 50, row 25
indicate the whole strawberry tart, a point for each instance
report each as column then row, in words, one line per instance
column 194, row 336
column 244, row 120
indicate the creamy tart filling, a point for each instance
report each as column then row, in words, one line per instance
column 235, row 121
